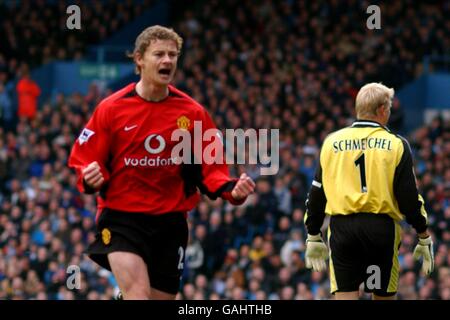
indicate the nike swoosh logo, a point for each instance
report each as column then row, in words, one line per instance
column 130, row 128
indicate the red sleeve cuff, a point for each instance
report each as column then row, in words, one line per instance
column 226, row 194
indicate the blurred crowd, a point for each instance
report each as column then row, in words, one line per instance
column 252, row 65
column 35, row 32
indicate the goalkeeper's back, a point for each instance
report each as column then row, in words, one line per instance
column 364, row 178
column 363, row 170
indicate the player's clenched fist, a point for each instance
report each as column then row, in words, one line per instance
column 243, row 187
column 92, row 175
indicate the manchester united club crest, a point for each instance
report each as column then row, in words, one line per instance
column 106, row 236
column 183, row 123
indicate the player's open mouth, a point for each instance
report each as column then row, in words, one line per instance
column 164, row 71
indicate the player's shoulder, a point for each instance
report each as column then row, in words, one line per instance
column 400, row 138
column 111, row 100
column 401, row 141
column 395, row 136
column 188, row 101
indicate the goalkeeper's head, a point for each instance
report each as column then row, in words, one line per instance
column 373, row 102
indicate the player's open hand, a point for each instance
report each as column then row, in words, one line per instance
column 92, row 175
column 316, row 253
column 424, row 250
column 243, row 187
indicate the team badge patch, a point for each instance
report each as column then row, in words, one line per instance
column 106, row 236
column 85, row 135
column 183, row 123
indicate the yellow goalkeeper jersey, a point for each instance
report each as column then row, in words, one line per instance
column 365, row 168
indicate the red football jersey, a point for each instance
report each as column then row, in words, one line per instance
column 130, row 138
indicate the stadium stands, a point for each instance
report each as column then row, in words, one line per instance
column 293, row 65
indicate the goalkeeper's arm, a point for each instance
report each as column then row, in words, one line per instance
column 316, row 249
column 409, row 201
column 315, row 205
column 411, row 204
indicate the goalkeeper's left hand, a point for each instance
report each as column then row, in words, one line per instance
column 316, row 253
column 424, row 249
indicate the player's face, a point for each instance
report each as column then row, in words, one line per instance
column 159, row 63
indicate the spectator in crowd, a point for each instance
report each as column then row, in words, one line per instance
column 6, row 109
column 28, row 92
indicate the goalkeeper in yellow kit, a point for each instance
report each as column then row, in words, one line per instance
column 365, row 181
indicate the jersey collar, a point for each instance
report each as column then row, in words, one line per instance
column 368, row 123
column 170, row 89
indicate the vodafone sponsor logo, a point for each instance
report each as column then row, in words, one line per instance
column 161, row 144
column 149, row 162
column 153, row 148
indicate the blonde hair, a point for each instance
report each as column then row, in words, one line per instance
column 370, row 97
column 151, row 34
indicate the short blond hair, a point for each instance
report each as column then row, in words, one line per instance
column 370, row 97
column 151, row 34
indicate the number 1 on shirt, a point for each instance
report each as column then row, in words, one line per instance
column 362, row 172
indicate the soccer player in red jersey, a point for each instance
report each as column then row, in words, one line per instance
column 125, row 154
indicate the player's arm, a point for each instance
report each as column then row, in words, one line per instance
column 411, row 204
column 315, row 204
column 215, row 180
column 316, row 250
column 90, row 153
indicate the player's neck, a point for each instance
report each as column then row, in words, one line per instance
column 151, row 92
column 375, row 119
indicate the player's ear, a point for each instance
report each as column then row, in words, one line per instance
column 380, row 110
column 138, row 59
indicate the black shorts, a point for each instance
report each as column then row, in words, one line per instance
column 364, row 249
column 160, row 240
